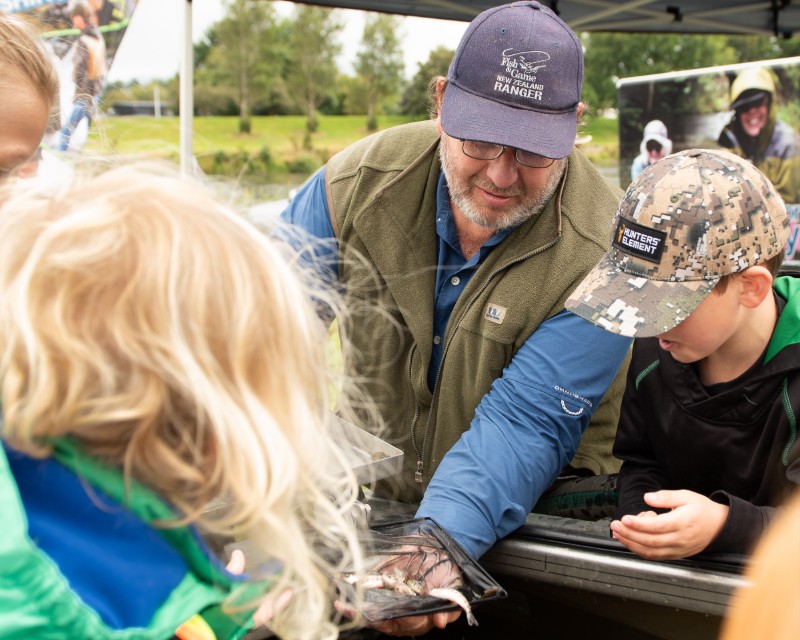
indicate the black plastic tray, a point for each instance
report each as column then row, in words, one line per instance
column 388, row 540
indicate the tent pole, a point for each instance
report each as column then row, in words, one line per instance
column 186, row 91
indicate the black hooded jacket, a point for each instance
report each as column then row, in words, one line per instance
column 735, row 443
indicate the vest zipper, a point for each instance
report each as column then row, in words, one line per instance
column 418, row 472
column 475, row 296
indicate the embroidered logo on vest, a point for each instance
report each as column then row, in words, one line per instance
column 495, row 313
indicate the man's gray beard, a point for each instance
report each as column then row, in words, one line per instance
column 530, row 206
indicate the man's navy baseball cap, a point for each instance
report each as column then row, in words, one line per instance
column 516, row 80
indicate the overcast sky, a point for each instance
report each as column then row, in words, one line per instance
column 152, row 44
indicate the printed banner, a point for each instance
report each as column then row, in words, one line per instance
column 752, row 110
column 84, row 36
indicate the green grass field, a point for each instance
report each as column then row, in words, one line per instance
column 284, row 136
column 217, row 142
column 603, row 149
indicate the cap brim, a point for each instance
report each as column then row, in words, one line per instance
column 753, row 97
column 635, row 306
column 468, row 116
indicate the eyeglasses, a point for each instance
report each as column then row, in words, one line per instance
column 488, row 151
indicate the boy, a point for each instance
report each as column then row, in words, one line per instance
column 707, row 427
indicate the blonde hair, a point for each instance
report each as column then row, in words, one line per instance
column 25, row 59
column 769, row 607
column 168, row 337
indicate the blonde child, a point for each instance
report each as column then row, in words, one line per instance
column 163, row 380
column 29, row 92
column 769, row 606
column 707, row 433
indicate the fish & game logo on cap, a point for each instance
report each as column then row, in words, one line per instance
column 517, row 76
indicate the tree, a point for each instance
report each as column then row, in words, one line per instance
column 203, row 47
column 312, row 70
column 610, row 56
column 415, row 101
column 752, row 48
column 242, row 54
column 379, row 63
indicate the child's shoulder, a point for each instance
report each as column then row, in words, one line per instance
column 787, row 330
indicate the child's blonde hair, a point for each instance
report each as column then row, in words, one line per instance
column 24, row 59
column 170, row 338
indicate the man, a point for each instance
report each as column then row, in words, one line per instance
column 756, row 133
column 89, row 70
column 458, row 242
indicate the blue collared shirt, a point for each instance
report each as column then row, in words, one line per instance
column 453, row 273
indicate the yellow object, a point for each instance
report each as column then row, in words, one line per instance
column 195, row 628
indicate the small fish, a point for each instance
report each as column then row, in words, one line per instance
column 369, row 581
column 416, row 586
column 456, row 597
column 398, row 584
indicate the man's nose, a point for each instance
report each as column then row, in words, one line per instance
column 503, row 170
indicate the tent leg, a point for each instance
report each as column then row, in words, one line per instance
column 186, row 91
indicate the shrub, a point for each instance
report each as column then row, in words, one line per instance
column 304, row 165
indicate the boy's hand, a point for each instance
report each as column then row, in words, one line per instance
column 686, row 530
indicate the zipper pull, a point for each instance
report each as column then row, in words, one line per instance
column 418, row 474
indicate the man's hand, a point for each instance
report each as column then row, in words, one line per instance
column 693, row 522
column 435, row 573
column 429, row 567
column 417, row 625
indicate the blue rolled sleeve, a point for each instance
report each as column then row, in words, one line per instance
column 525, row 430
column 306, row 226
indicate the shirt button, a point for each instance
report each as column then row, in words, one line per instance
column 455, row 280
column 437, row 340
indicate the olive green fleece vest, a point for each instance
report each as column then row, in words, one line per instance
column 382, row 200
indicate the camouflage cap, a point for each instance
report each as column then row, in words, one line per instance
column 686, row 221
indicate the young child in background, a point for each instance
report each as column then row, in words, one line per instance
column 707, row 431
column 29, row 93
column 158, row 357
column 654, row 146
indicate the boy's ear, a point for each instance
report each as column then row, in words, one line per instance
column 756, row 285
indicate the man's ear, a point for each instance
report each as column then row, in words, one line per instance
column 756, row 284
column 439, row 93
